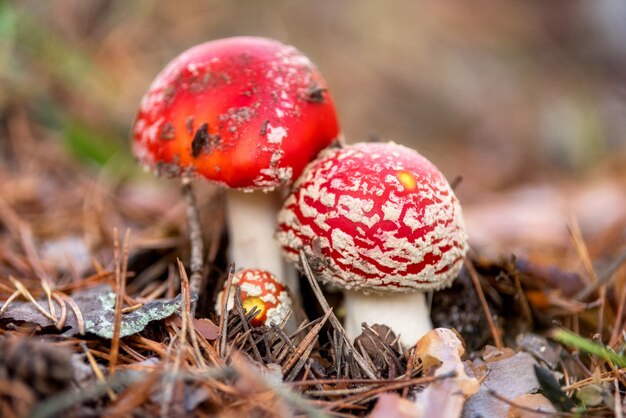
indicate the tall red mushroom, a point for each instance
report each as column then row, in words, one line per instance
column 382, row 222
column 246, row 113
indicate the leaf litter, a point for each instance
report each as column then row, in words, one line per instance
column 538, row 335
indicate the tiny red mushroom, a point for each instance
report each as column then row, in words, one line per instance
column 382, row 222
column 247, row 113
column 260, row 290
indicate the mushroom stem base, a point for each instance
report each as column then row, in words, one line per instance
column 405, row 313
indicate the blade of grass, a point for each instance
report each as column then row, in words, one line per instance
column 582, row 344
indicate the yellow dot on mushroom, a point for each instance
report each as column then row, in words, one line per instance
column 407, row 179
column 252, row 302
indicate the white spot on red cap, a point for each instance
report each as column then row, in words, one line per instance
column 276, row 134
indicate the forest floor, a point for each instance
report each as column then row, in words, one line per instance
column 95, row 318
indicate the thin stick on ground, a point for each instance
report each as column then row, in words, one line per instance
column 366, row 396
column 349, row 381
column 186, row 314
column 197, row 245
column 602, row 377
column 604, row 277
column 483, row 301
column 333, row 318
column 583, row 254
column 223, row 327
column 58, row 299
column 302, row 352
column 77, row 312
column 26, row 293
column 617, row 328
column 581, row 249
column 412, row 359
column 7, row 302
column 121, row 267
column 28, row 243
column 96, row 369
column 172, row 369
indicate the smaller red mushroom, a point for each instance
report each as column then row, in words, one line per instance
column 260, row 290
column 382, row 222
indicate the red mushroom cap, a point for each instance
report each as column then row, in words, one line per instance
column 246, row 112
column 260, row 289
column 376, row 217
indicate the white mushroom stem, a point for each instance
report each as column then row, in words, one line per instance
column 251, row 227
column 405, row 313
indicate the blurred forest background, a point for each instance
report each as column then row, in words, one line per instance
column 525, row 100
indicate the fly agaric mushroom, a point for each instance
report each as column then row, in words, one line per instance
column 382, row 222
column 260, row 289
column 247, row 113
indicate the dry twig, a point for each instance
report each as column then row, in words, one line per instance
column 333, row 319
column 481, row 295
column 121, row 266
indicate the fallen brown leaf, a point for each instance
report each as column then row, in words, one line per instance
column 204, row 326
column 444, row 397
column 509, row 378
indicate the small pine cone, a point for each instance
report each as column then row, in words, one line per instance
column 44, row 368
